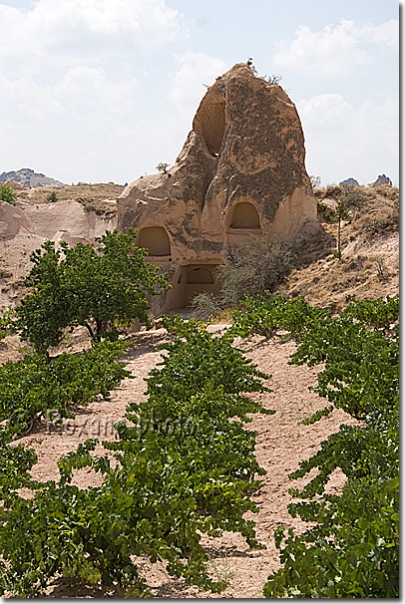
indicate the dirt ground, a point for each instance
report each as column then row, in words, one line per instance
column 282, row 441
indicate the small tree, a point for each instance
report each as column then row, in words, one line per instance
column 342, row 213
column 7, row 194
column 162, row 167
column 316, row 182
column 101, row 288
column 52, row 197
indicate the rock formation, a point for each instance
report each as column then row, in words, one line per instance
column 241, row 173
column 27, row 176
column 382, row 180
column 349, row 182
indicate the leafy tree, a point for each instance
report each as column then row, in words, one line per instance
column 99, row 287
column 162, row 167
column 7, row 194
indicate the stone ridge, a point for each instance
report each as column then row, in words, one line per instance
column 27, row 176
column 241, row 173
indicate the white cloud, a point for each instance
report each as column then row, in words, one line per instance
column 197, row 71
column 334, row 50
column 80, row 31
column 87, row 90
column 87, row 122
column 342, row 140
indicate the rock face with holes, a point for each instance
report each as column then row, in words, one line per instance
column 241, row 173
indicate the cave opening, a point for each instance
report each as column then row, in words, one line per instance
column 244, row 216
column 210, row 123
column 156, row 241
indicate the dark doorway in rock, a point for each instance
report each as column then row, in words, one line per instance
column 156, row 241
column 190, row 280
column 210, row 123
column 244, row 216
column 200, row 275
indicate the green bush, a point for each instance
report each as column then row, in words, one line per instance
column 52, row 197
column 7, row 194
column 355, row 197
column 33, row 387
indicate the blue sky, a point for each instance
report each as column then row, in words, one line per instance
column 104, row 90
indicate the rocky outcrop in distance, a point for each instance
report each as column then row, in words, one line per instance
column 27, row 176
column 349, row 182
column 382, row 180
column 240, row 174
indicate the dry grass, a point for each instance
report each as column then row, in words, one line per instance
column 369, row 266
column 93, row 197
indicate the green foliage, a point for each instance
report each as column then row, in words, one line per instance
column 52, row 197
column 380, row 314
column 36, row 388
column 7, row 194
column 352, row 379
column 265, row 315
column 60, row 529
column 352, row 549
column 185, row 467
column 101, row 288
column 162, row 167
column 327, row 214
column 354, row 197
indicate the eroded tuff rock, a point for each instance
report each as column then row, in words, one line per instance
column 241, row 173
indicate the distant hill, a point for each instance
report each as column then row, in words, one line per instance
column 26, row 176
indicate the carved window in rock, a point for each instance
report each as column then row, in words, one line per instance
column 156, row 241
column 200, row 275
column 244, row 216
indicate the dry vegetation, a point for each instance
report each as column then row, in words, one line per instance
column 94, row 197
column 369, row 266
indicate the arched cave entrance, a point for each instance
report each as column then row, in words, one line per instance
column 156, row 241
column 200, row 275
column 244, row 216
column 209, row 121
column 190, row 280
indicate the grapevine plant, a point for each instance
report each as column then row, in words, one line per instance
column 185, row 467
column 351, row 549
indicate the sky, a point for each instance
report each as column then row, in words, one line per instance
column 104, row 90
